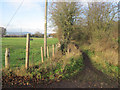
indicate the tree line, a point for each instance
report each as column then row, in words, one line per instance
column 36, row 35
column 84, row 23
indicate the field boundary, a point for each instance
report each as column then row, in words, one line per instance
column 28, row 54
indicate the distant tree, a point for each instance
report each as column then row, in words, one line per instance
column 38, row 34
column 2, row 31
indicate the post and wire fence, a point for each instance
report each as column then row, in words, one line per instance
column 44, row 51
column 50, row 53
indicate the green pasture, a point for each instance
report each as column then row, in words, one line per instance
column 18, row 47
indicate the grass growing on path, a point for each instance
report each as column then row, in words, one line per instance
column 18, row 47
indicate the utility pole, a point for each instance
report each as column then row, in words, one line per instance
column 27, row 51
column 45, row 32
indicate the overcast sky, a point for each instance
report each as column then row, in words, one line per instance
column 29, row 17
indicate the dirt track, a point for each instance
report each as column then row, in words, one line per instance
column 90, row 77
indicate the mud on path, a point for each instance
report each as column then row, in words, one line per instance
column 89, row 77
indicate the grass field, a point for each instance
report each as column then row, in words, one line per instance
column 18, row 47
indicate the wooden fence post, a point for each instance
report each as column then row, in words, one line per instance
column 47, row 51
column 27, row 51
column 42, row 54
column 53, row 50
column 7, row 57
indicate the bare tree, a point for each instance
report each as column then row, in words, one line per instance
column 100, row 17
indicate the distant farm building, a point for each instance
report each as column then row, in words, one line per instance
column 53, row 35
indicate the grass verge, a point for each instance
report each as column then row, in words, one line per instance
column 52, row 70
column 99, row 61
